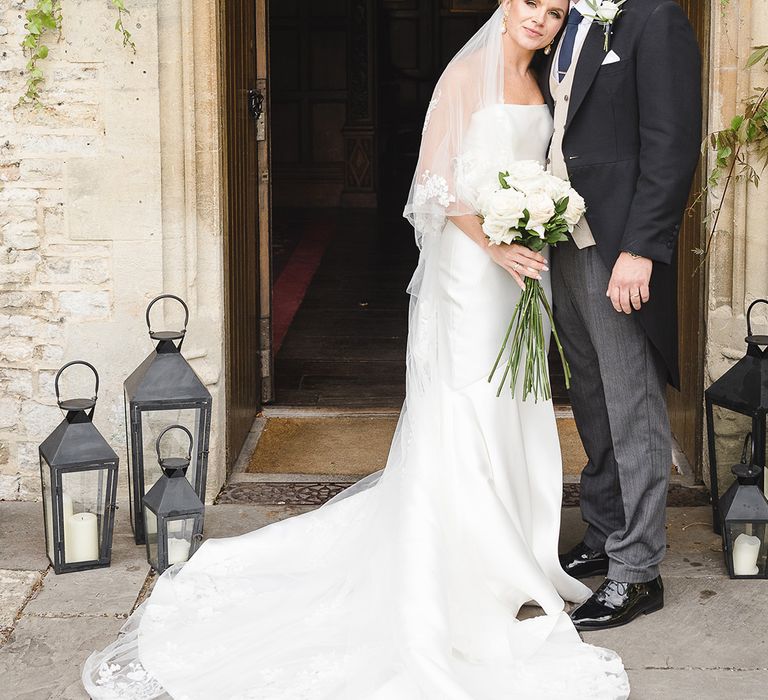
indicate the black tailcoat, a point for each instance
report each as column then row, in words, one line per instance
column 631, row 145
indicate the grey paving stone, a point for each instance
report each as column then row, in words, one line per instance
column 43, row 658
column 108, row 591
column 701, row 684
column 230, row 520
column 22, row 544
column 693, row 549
column 15, row 588
column 707, row 622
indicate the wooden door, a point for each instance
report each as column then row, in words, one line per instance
column 685, row 406
column 246, row 247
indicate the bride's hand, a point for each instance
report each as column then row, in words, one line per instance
column 519, row 261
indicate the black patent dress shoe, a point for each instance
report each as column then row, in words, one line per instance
column 616, row 603
column 582, row 562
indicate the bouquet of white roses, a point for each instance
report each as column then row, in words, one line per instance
column 532, row 208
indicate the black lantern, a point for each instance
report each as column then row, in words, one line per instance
column 164, row 390
column 173, row 512
column 738, row 403
column 78, row 470
column 744, row 511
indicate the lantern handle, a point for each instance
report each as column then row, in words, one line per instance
column 77, row 404
column 168, row 335
column 749, row 313
column 748, row 443
column 174, row 427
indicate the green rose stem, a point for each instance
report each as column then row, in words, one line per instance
column 527, row 330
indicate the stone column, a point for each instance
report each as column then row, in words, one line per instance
column 737, row 264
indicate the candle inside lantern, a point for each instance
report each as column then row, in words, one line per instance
column 745, row 551
column 178, row 550
column 82, row 532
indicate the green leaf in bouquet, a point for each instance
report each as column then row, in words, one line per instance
column 557, row 237
column 561, row 205
column 536, row 244
column 502, row 181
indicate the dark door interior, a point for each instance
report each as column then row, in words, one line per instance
column 333, row 328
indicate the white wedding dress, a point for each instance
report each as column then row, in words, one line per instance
column 409, row 585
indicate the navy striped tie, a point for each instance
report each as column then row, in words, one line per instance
column 566, row 48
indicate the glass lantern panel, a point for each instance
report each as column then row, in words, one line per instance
column 84, row 500
column 749, row 548
column 181, row 532
column 45, row 470
column 129, row 451
column 175, row 443
column 731, row 429
column 150, row 528
column 761, row 450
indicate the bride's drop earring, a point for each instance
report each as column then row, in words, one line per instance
column 548, row 49
column 504, row 24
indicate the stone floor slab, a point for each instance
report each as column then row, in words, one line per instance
column 15, row 589
column 692, row 548
column 43, row 657
column 227, row 520
column 108, row 591
column 701, row 684
column 707, row 622
column 22, row 544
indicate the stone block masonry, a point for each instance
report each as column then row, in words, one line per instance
column 81, row 223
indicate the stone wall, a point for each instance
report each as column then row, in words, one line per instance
column 109, row 196
column 738, row 263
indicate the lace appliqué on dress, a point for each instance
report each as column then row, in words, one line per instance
column 130, row 683
column 432, row 186
column 432, row 104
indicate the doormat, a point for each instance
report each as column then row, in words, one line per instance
column 315, row 493
column 356, row 445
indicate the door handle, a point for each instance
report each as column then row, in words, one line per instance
column 256, row 110
column 255, row 103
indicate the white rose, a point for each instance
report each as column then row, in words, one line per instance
column 505, row 205
column 524, row 171
column 576, row 208
column 499, row 231
column 557, row 188
column 540, row 208
column 607, row 11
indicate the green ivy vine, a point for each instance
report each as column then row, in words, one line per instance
column 746, row 134
column 43, row 18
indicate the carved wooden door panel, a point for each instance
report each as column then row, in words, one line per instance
column 246, row 248
column 685, row 406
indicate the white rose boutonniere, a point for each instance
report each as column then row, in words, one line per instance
column 605, row 14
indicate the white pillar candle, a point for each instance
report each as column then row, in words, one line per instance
column 178, row 550
column 745, row 551
column 82, row 544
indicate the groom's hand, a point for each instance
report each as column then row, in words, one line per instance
column 628, row 287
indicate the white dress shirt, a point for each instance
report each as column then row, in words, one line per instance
column 581, row 33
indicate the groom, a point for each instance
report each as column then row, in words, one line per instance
column 627, row 133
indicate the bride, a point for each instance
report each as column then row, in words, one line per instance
column 408, row 586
